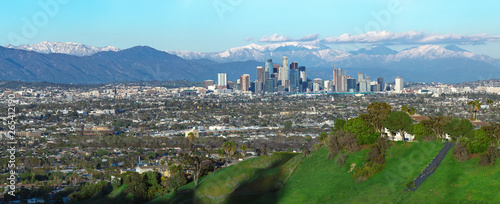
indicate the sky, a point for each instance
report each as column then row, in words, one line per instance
column 218, row 25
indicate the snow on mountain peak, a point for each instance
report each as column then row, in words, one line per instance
column 69, row 48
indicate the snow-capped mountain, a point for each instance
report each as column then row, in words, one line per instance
column 315, row 55
column 69, row 48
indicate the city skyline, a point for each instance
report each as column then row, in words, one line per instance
column 177, row 25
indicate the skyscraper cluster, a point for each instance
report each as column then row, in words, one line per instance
column 292, row 78
column 281, row 78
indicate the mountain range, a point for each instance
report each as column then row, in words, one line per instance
column 77, row 63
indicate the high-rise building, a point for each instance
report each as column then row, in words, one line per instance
column 368, row 84
column 360, row 76
column 245, row 82
column 276, row 68
column 222, row 81
column 295, row 85
column 303, row 78
column 260, row 73
column 294, row 65
column 268, row 70
column 338, row 81
column 285, row 81
column 318, row 81
column 208, row 83
column 381, row 84
column 230, row 84
column 269, row 85
column 399, row 84
column 326, row 85
column 351, row 85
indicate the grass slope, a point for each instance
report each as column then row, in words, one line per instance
column 243, row 182
column 459, row 182
column 319, row 180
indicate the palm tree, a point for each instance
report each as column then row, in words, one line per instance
column 489, row 102
column 477, row 106
column 470, row 103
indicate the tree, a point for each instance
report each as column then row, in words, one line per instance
column 190, row 138
column 287, row 125
column 477, row 106
column 471, row 104
column 489, row 102
column 458, row 128
column 420, row 131
column 364, row 133
column 479, row 142
column 229, row 148
column 195, row 159
column 436, row 125
column 398, row 121
column 339, row 123
column 377, row 112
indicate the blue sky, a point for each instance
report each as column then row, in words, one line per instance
column 217, row 25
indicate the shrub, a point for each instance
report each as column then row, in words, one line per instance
column 489, row 157
column 460, row 152
column 479, row 142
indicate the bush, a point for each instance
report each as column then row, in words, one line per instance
column 489, row 157
column 367, row 171
column 460, row 152
column 479, row 142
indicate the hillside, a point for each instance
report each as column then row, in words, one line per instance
column 243, row 182
column 319, row 180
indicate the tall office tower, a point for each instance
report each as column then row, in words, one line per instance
column 222, row 81
column 399, row 84
column 368, row 84
column 351, row 85
column 326, row 85
column 268, row 70
column 381, row 84
column 259, row 86
column 260, row 73
column 303, row 78
column 286, row 69
column 269, row 85
column 295, row 85
column 294, row 65
column 208, row 83
column 230, row 84
column 344, row 83
column 337, row 80
column 360, row 76
column 245, row 82
column 318, row 81
column 276, row 68
column 362, row 86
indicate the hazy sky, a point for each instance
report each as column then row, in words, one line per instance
column 216, row 25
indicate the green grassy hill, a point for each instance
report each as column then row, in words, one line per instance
column 243, row 182
column 319, row 180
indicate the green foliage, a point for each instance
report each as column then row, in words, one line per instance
column 479, row 142
column 287, row 125
column 458, row 128
column 420, row 131
column 377, row 112
column 339, row 123
column 102, row 152
column 398, row 121
column 368, row 170
column 364, row 133
column 88, row 190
